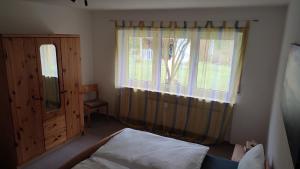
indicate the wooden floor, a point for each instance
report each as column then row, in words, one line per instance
column 101, row 127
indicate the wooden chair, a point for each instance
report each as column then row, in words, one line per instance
column 94, row 104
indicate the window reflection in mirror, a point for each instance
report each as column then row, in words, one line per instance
column 51, row 97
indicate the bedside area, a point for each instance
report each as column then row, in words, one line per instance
column 238, row 153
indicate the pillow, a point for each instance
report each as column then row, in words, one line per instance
column 253, row 159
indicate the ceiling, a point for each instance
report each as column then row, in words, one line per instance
column 161, row 4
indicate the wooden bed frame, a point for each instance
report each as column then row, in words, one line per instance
column 87, row 152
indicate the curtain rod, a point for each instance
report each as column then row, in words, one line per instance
column 244, row 20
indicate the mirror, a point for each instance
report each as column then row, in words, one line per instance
column 51, row 97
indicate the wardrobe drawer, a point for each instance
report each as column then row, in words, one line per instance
column 55, row 131
column 54, row 125
column 55, row 139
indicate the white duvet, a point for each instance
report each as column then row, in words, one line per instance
column 133, row 149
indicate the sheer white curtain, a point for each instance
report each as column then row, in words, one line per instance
column 204, row 63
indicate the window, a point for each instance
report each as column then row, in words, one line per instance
column 204, row 63
column 48, row 60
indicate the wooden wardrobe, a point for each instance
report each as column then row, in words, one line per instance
column 40, row 102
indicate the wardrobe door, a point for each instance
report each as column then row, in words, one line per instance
column 70, row 48
column 52, row 90
column 25, row 97
column 8, row 154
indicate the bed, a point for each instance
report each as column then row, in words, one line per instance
column 116, row 151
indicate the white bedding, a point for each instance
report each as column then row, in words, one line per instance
column 133, row 149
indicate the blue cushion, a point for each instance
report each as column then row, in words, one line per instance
column 213, row 162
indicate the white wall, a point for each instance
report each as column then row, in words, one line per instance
column 278, row 148
column 251, row 116
column 22, row 17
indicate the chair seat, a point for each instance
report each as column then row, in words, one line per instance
column 95, row 103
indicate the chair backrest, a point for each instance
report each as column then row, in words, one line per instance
column 90, row 88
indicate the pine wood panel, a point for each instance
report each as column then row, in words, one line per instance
column 8, row 154
column 24, row 97
column 70, row 48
